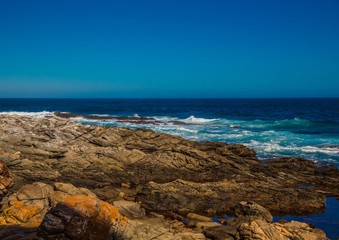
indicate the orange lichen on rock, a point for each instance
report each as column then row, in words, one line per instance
column 83, row 217
column 83, row 204
column 19, row 212
column 111, row 213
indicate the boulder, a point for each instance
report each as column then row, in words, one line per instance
column 254, row 222
column 252, row 211
column 83, row 217
column 261, row 230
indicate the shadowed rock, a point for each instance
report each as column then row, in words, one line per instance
column 82, row 217
column 6, row 181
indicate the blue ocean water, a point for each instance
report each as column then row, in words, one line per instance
column 306, row 128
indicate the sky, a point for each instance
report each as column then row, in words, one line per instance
column 169, row 48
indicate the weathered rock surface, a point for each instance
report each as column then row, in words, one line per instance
column 44, row 195
column 129, row 209
column 261, row 230
column 18, row 212
column 165, row 174
column 83, row 217
column 218, row 198
column 254, row 222
column 252, row 211
column 6, row 180
column 57, row 149
column 51, row 149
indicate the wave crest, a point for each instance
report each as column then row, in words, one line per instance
column 192, row 119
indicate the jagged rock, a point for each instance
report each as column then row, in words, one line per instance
column 83, row 217
column 19, row 213
column 6, row 181
column 252, row 210
column 254, row 222
column 218, row 198
column 129, row 209
column 215, row 176
column 58, row 149
column 44, row 195
column 261, row 230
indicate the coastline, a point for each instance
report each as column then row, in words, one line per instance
column 167, row 174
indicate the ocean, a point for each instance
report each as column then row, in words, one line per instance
column 307, row 128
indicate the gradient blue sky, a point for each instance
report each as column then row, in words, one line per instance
column 169, row 48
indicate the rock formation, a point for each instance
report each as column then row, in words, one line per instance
column 53, row 158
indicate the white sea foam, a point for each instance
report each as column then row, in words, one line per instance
column 192, row 119
column 276, row 147
column 101, row 115
column 29, row 114
column 165, row 118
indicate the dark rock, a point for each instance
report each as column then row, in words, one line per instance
column 82, row 217
column 253, row 211
column 6, row 180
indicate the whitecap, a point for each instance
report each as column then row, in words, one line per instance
column 192, row 119
column 29, row 114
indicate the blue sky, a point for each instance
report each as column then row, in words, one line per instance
column 169, row 48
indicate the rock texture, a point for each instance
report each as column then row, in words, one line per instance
column 215, row 175
column 6, row 180
column 63, row 171
column 254, row 222
column 83, row 217
column 44, row 195
column 218, row 198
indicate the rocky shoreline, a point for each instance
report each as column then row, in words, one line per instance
column 63, row 180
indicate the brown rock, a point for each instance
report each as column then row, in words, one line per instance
column 19, row 213
column 45, row 195
column 215, row 176
column 83, row 217
column 129, row 209
column 194, row 216
column 219, row 198
column 253, row 211
column 6, row 181
column 261, row 230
